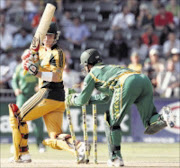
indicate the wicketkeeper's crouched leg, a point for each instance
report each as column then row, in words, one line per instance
column 113, row 136
column 19, row 134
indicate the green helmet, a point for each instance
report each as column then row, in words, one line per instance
column 90, row 56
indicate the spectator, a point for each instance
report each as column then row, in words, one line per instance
column 171, row 43
column 149, row 38
column 140, row 48
column 123, row 20
column 168, row 81
column 152, row 75
column 6, row 38
column 174, row 8
column 9, row 27
column 6, row 57
column 135, row 65
column 69, row 60
column 164, row 18
column 10, row 64
column 153, row 7
column 77, row 33
column 118, row 47
column 145, row 17
column 71, row 78
column 5, row 5
column 22, row 39
column 152, row 67
column 66, row 21
column 32, row 6
column 133, row 6
column 37, row 17
column 163, row 35
column 175, row 52
column 156, row 63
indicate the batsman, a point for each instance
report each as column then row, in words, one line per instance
column 123, row 87
column 49, row 102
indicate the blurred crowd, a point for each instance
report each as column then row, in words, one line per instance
column 142, row 35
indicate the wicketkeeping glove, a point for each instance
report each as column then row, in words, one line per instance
column 70, row 96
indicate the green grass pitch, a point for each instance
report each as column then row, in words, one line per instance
column 137, row 155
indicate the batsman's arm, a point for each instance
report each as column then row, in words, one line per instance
column 42, row 28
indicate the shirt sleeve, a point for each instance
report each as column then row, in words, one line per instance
column 170, row 17
column 85, row 95
column 130, row 19
column 156, row 20
column 116, row 20
column 15, row 79
column 57, row 60
column 165, row 47
column 86, row 31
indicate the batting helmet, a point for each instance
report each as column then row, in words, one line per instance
column 52, row 28
column 90, row 56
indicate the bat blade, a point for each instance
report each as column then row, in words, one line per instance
column 43, row 27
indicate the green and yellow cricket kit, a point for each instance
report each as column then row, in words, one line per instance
column 124, row 87
column 48, row 103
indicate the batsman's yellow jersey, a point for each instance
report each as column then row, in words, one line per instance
column 51, row 60
column 49, row 100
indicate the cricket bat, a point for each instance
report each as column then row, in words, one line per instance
column 42, row 28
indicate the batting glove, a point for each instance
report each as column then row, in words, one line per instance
column 32, row 68
column 34, row 57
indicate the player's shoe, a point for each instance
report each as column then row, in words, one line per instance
column 22, row 159
column 118, row 162
column 42, row 148
column 168, row 116
column 81, row 153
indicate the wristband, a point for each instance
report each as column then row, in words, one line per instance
column 47, row 76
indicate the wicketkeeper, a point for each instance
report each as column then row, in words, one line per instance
column 47, row 102
column 123, row 87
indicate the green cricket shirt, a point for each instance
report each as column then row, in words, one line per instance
column 26, row 83
column 104, row 78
